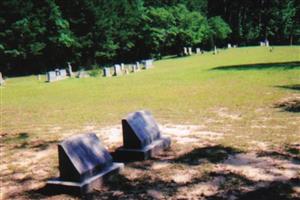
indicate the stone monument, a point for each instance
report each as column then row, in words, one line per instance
column 148, row 63
column 70, row 69
column 185, row 51
column 106, row 72
column 190, row 51
column 141, row 138
column 229, row 46
column 2, row 81
column 117, row 70
column 198, row 50
column 51, row 76
column 83, row 165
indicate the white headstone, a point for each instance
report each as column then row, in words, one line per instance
column 215, row 50
column 117, row 70
column 190, row 51
column 198, row 50
column 70, row 69
column 1, row 79
column 185, row 51
column 229, row 46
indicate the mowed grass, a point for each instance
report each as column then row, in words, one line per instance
column 188, row 90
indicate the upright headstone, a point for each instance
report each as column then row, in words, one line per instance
column 51, row 76
column 39, row 77
column 122, row 66
column 229, row 46
column 185, row 51
column 1, row 79
column 106, row 72
column 198, row 50
column 83, row 164
column 141, row 138
column 70, row 69
column 235, row 46
column 215, row 50
column 133, row 68
column 267, row 43
column 117, row 70
column 148, row 63
column 262, row 44
column 57, row 72
column 190, row 50
column 63, row 73
column 137, row 65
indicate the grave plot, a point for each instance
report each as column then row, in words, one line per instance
column 141, row 138
column 83, row 165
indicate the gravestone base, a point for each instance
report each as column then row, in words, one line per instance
column 87, row 186
column 126, row 155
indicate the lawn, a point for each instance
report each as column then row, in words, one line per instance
column 212, row 106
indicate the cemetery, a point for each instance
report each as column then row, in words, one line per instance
column 160, row 100
column 190, row 146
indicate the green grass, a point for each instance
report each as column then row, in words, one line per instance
column 181, row 90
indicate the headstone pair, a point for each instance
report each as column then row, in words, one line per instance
column 84, row 163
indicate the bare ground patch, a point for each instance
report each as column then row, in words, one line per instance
column 197, row 166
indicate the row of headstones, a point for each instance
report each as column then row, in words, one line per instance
column 56, row 75
column 189, row 50
column 2, row 81
column 118, row 69
column 264, row 44
column 84, row 162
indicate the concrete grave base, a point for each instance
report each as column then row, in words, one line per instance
column 87, row 185
column 125, row 155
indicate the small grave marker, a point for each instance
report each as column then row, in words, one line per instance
column 2, row 81
column 117, row 70
column 198, row 50
column 51, row 76
column 63, row 73
column 229, row 46
column 141, row 138
column 70, row 69
column 185, row 51
column 106, row 72
column 190, row 51
column 83, row 164
column 148, row 63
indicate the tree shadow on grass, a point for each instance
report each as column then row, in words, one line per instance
column 261, row 66
column 289, row 87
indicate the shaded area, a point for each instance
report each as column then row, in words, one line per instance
column 290, row 87
column 275, row 191
column 213, row 154
column 289, row 104
column 261, row 66
column 227, row 184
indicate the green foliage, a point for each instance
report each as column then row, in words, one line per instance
column 38, row 35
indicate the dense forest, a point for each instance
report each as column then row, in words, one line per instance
column 36, row 36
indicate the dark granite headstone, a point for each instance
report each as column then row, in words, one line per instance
column 141, row 137
column 83, row 162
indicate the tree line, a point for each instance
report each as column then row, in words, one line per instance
column 36, row 36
